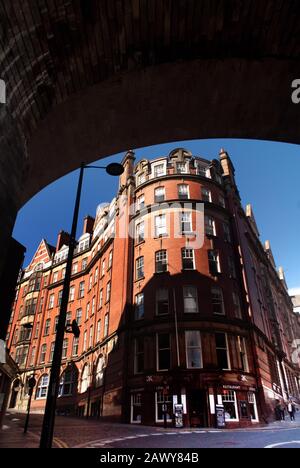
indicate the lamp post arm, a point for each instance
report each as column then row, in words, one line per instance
column 49, row 416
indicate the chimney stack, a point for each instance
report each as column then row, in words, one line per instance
column 88, row 225
column 63, row 239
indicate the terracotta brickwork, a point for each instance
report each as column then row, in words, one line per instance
column 164, row 317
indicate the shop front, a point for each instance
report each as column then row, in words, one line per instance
column 201, row 404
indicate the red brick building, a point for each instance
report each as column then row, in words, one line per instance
column 188, row 309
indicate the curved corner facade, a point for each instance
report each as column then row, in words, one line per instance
column 177, row 300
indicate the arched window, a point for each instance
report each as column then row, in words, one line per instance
column 84, row 385
column 99, row 377
column 68, row 382
column 42, row 387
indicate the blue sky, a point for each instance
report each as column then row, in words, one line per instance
column 267, row 174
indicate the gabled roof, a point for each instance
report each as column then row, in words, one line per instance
column 43, row 254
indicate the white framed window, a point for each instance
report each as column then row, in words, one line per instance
column 253, row 407
column 99, row 377
column 47, row 327
column 84, row 264
column 161, row 401
column 186, row 222
column 83, row 245
column 42, row 387
column 139, row 306
column 214, row 262
column 210, row 226
column 163, row 351
column 91, row 338
column 206, row 195
column 110, row 259
column 162, row 301
column 59, row 297
column 160, row 225
column 230, row 406
column 139, row 355
column 183, row 192
column 90, row 282
column 242, row 349
column 87, row 311
column 81, row 290
column 202, row 170
column 98, row 337
column 85, row 379
column 96, row 275
column 52, row 346
column 65, row 348
column 237, row 305
column 161, row 261
column 51, row 301
column 108, row 291
column 106, row 325
column 159, row 194
column 140, row 268
column 181, row 168
column 103, row 267
column 67, row 383
column 43, row 354
column 217, row 301
column 101, row 298
column 190, row 300
column 74, row 268
column 78, row 316
column 55, row 324
column 72, row 293
column 159, row 169
column 140, row 232
column 223, row 358
column 141, row 178
column 32, row 357
column 55, row 277
column 85, row 341
column 140, row 203
column 93, row 305
column 136, row 408
column 188, row 259
column 193, row 349
column 75, row 346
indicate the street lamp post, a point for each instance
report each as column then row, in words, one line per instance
column 31, row 385
column 113, row 169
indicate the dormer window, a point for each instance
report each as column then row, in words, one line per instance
column 203, row 170
column 181, row 168
column 83, row 245
column 141, row 178
column 159, row 170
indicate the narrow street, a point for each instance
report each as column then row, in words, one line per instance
column 82, row 433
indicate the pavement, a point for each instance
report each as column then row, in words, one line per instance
column 83, row 433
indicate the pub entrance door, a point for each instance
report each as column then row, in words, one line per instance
column 197, row 407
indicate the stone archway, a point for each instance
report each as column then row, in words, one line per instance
column 86, row 79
